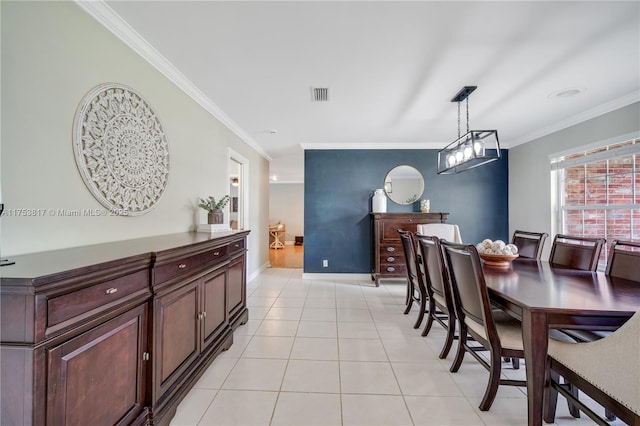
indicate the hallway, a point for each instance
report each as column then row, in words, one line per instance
column 291, row 256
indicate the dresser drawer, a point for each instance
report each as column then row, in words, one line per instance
column 392, row 259
column 186, row 265
column 394, row 250
column 98, row 297
column 393, row 269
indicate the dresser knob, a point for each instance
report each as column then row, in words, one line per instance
column 182, row 265
column 216, row 253
column 111, row 290
column 391, row 259
column 391, row 249
column 391, row 269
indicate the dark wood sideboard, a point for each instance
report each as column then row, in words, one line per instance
column 387, row 256
column 116, row 333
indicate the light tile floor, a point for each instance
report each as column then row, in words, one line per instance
column 327, row 352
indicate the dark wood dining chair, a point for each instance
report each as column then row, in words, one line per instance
column 615, row 385
column 493, row 330
column 576, row 252
column 624, row 260
column 416, row 291
column 436, row 280
column 530, row 244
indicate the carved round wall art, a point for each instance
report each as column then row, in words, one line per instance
column 121, row 149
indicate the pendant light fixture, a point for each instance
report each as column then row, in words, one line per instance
column 473, row 149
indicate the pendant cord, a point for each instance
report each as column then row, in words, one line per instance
column 467, row 116
column 458, row 120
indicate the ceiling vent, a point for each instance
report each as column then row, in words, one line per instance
column 319, row 94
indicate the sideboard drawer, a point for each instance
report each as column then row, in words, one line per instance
column 102, row 295
column 236, row 246
column 186, row 265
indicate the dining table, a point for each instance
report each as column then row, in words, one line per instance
column 543, row 297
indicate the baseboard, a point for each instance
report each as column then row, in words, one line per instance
column 330, row 276
column 258, row 271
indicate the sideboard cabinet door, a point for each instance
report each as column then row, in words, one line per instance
column 237, row 295
column 176, row 330
column 98, row 377
column 214, row 309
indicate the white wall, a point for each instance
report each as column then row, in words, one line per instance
column 53, row 53
column 530, row 173
column 286, row 204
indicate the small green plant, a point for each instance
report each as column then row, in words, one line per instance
column 211, row 205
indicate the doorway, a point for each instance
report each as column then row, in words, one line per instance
column 238, row 191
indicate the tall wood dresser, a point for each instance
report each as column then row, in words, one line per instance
column 387, row 257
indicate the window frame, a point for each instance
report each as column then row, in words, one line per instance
column 561, row 161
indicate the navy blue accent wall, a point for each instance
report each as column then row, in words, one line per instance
column 339, row 184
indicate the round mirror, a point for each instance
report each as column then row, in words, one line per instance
column 404, row 185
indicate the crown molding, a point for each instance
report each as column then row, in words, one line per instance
column 418, row 145
column 108, row 18
column 577, row 119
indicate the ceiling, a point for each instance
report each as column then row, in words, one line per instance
column 392, row 67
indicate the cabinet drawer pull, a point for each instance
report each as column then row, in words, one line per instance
column 236, row 245
column 391, row 249
column 216, row 253
column 391, row 259
column 200, row 316
column 204, row 315
column 111, row 290
column 182, row 265
column 391, row 269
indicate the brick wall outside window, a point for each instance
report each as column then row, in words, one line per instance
column 601, row 198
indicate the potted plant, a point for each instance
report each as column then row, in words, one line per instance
column 214, row 208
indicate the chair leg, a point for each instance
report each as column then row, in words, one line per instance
column 609, row 415
column 423, row 308
column 409, row 301
column 451, row 332
column 432, row 310
column 494, row 382
column 462, row 341
column 551, row 398
column 573, row 410
column 515, row 362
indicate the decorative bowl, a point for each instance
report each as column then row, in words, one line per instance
column 498, row 260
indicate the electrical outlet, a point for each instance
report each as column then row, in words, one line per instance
column 325, row 263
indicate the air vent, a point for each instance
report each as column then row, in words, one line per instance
column 319, row 94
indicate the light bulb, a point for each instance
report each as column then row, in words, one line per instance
column 459, row 157
column 478, row 147
column 468, row 152
column 451, row 160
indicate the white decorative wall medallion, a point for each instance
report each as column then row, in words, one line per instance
column 121, row 149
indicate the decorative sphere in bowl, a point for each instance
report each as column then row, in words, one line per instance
column 498, row 260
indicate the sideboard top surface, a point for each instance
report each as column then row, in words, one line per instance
column 47, row 265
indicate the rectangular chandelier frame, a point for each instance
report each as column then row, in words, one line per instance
column 473, row 149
